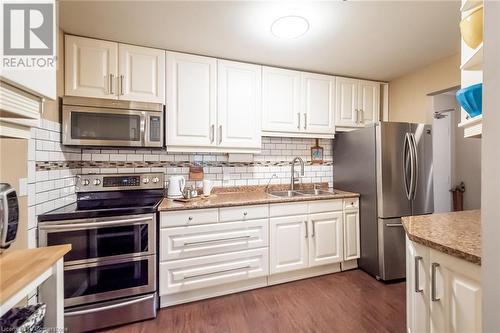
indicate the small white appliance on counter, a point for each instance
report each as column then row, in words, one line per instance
column 9, row 215
column 176, row 185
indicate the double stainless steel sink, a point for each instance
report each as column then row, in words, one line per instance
column 300, row 193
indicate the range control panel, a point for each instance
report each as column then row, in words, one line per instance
column 118, row 182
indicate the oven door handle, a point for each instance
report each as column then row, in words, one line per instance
column 95, row 224
column 108, row 307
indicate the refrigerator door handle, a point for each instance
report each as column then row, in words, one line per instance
column 406, row 154
column 415, row 165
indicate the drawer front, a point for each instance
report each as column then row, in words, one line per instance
column 201, row 240
column 189, row 217
column 323, row 206
column 196, row 273
column 243, row 213
column 288, row 209
column 351, row 203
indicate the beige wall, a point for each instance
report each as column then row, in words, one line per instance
column 408, row 100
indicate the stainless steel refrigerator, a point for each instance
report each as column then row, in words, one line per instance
column 390, row 165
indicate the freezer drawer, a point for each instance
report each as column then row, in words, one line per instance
column 392, row 251
column 201, row 240
column 197, row 273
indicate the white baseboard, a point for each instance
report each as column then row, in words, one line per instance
column 349, row 264
column 303, row 274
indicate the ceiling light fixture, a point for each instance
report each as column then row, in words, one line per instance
column 290, row 27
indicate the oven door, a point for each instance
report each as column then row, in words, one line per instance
column 105, row 280
column 98, row 239
column 89, row 126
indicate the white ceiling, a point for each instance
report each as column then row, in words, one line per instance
column 377, row 40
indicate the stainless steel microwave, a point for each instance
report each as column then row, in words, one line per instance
column 113, row 123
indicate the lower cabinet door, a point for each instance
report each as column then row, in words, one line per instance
column 196, row 273
column 288, row 243
column 351, row 235
column 417, row 288
column 325, row 238
column 456, row 300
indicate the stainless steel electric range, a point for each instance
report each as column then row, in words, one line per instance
column 110, row 272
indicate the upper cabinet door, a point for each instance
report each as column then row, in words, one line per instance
column 142, row 74
column 281, row 110
column 318, row 103
column 368, row 101
column 239, row 105
column 191, row 100
column 90, row 67
column 326, row 239
column 346, row 102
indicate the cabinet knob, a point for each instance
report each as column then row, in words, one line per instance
column 190, row 218
column 245, row 213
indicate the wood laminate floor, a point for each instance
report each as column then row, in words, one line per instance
column 350, row 301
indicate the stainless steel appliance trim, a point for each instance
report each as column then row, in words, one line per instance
column 417, row 274
column 415, row 163
column 44, row 228
column 218, row 272
column 95, row 225
column 68, row 140
column 149, row 287
column 4, row 211
column 217, row 240
column 434, row 267
column 108, row 307
column 111, row 103
column 101, row 176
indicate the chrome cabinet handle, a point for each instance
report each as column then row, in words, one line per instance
column 298, row 117
column 110, row 84
column 305, row 120
column 417, row 274
column 356, row 116
column 121, row 84
column 314, row 229
column 433, row 282
column 362, row 116
column 212, row 133
column 220, row 134
column 212, row 273
column 307, row 231
column 217, row 240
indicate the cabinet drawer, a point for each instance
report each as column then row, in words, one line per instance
column 351, row 203
column 196, row 273
column 201, row 240
column 243, row 213
column 322, row 206
column 189, row 217
column 288, row 209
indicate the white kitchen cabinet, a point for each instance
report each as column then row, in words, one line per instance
column 326, row 238
column 351, row 234
column 239, row 105
column 141, row 74
column 318, row 97
column 288, row 243
column 281, row 110
column 91, row 67
column 191, row 100
column 443, row 292
column 102, row 69
column 357, row 102
column 417, row 288
column 368, row 102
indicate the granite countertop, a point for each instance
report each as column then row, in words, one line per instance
column 247, row 195
column 457, row 233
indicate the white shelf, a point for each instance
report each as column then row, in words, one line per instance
column 473, row 127
column 470, row 4
column 475, row 61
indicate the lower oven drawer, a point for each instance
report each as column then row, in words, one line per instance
column 105, row 314
column 200, row 240
column 105, row 280
column 196, row 273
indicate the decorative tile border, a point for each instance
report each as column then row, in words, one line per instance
column 59, row 165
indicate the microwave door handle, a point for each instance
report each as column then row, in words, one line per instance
column 95, row 224
column 143, row 129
